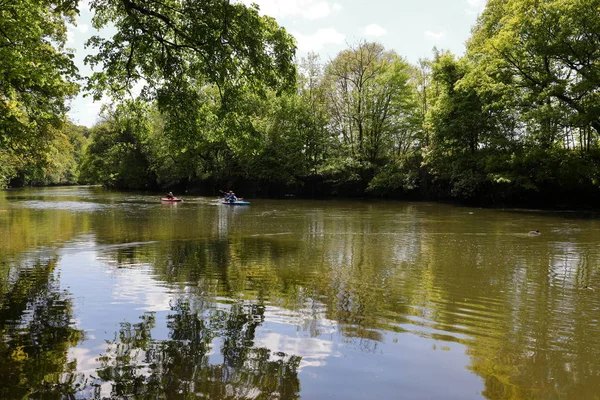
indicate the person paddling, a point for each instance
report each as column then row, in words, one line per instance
column 230, row 197
column 170, row 196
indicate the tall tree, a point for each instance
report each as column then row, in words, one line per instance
column 312, row 93
column 461, row 128
column 370, row 100
column 37, row 76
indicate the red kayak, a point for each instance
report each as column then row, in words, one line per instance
column 173, row 200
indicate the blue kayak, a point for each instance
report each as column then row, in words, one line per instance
column 236, row 203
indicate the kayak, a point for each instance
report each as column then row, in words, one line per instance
column 173, row 200
column 236, row 203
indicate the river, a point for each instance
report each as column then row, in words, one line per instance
column 108, row 294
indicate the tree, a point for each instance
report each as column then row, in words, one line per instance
column 534, row 64
column 58, row 163
column 426, row 92
column 370, row 100
column 180, row 46
column 312, row 92
column 37, row 77
column 462, row 128
column 371, row 108
column 549, row 50
column 118, row 154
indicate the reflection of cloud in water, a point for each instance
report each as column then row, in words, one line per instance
column 138, row 286
column 313, row 318
column 87, row 359
column 313, row 351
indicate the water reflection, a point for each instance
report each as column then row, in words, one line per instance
column 137, row 365
column 36, row 326
column 312, row 299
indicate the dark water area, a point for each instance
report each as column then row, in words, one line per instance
column 117, row 295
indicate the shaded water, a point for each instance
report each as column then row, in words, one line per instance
column 115, row 295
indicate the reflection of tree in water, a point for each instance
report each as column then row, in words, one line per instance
column 352, row 295
column 532, row 329
column 35, row 325
column 137, row 365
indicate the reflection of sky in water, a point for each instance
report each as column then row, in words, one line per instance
column 314, row 351
column 63, row 205
column 82, row 206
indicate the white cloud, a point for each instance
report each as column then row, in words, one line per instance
column 317, row 10
column 84, row 6
column 319, row 39
column 435, row 35
column 87, row 359
column 309, row 9
column 77, row 31
column 138, row 287
column 374, row 30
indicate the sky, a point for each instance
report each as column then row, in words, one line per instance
column 410, row 27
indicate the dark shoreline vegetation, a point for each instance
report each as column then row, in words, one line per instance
column 513, row 122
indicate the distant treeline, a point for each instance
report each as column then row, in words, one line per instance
column 514, row 121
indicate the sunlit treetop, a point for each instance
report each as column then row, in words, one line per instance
column 181, row 45
column 548, row 49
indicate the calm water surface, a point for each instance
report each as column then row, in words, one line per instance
column 115, row 295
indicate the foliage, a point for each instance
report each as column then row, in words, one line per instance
column 460, row 129
column 37, row 78
column 372, row 112
column 179, row 46
column 546, row 51
column 58, row 163
column 516, row 118
column 369, row 101
column 117, row 155
column 399, row 177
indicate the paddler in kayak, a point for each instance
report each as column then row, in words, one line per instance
column 170, row 196
column 230, row 197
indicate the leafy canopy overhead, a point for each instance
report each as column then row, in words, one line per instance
column 36, row 71
column 186, row 44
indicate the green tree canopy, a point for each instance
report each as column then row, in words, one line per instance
column 37, row 76
column 546, row 51
column 370, row 100
column 180, row 46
